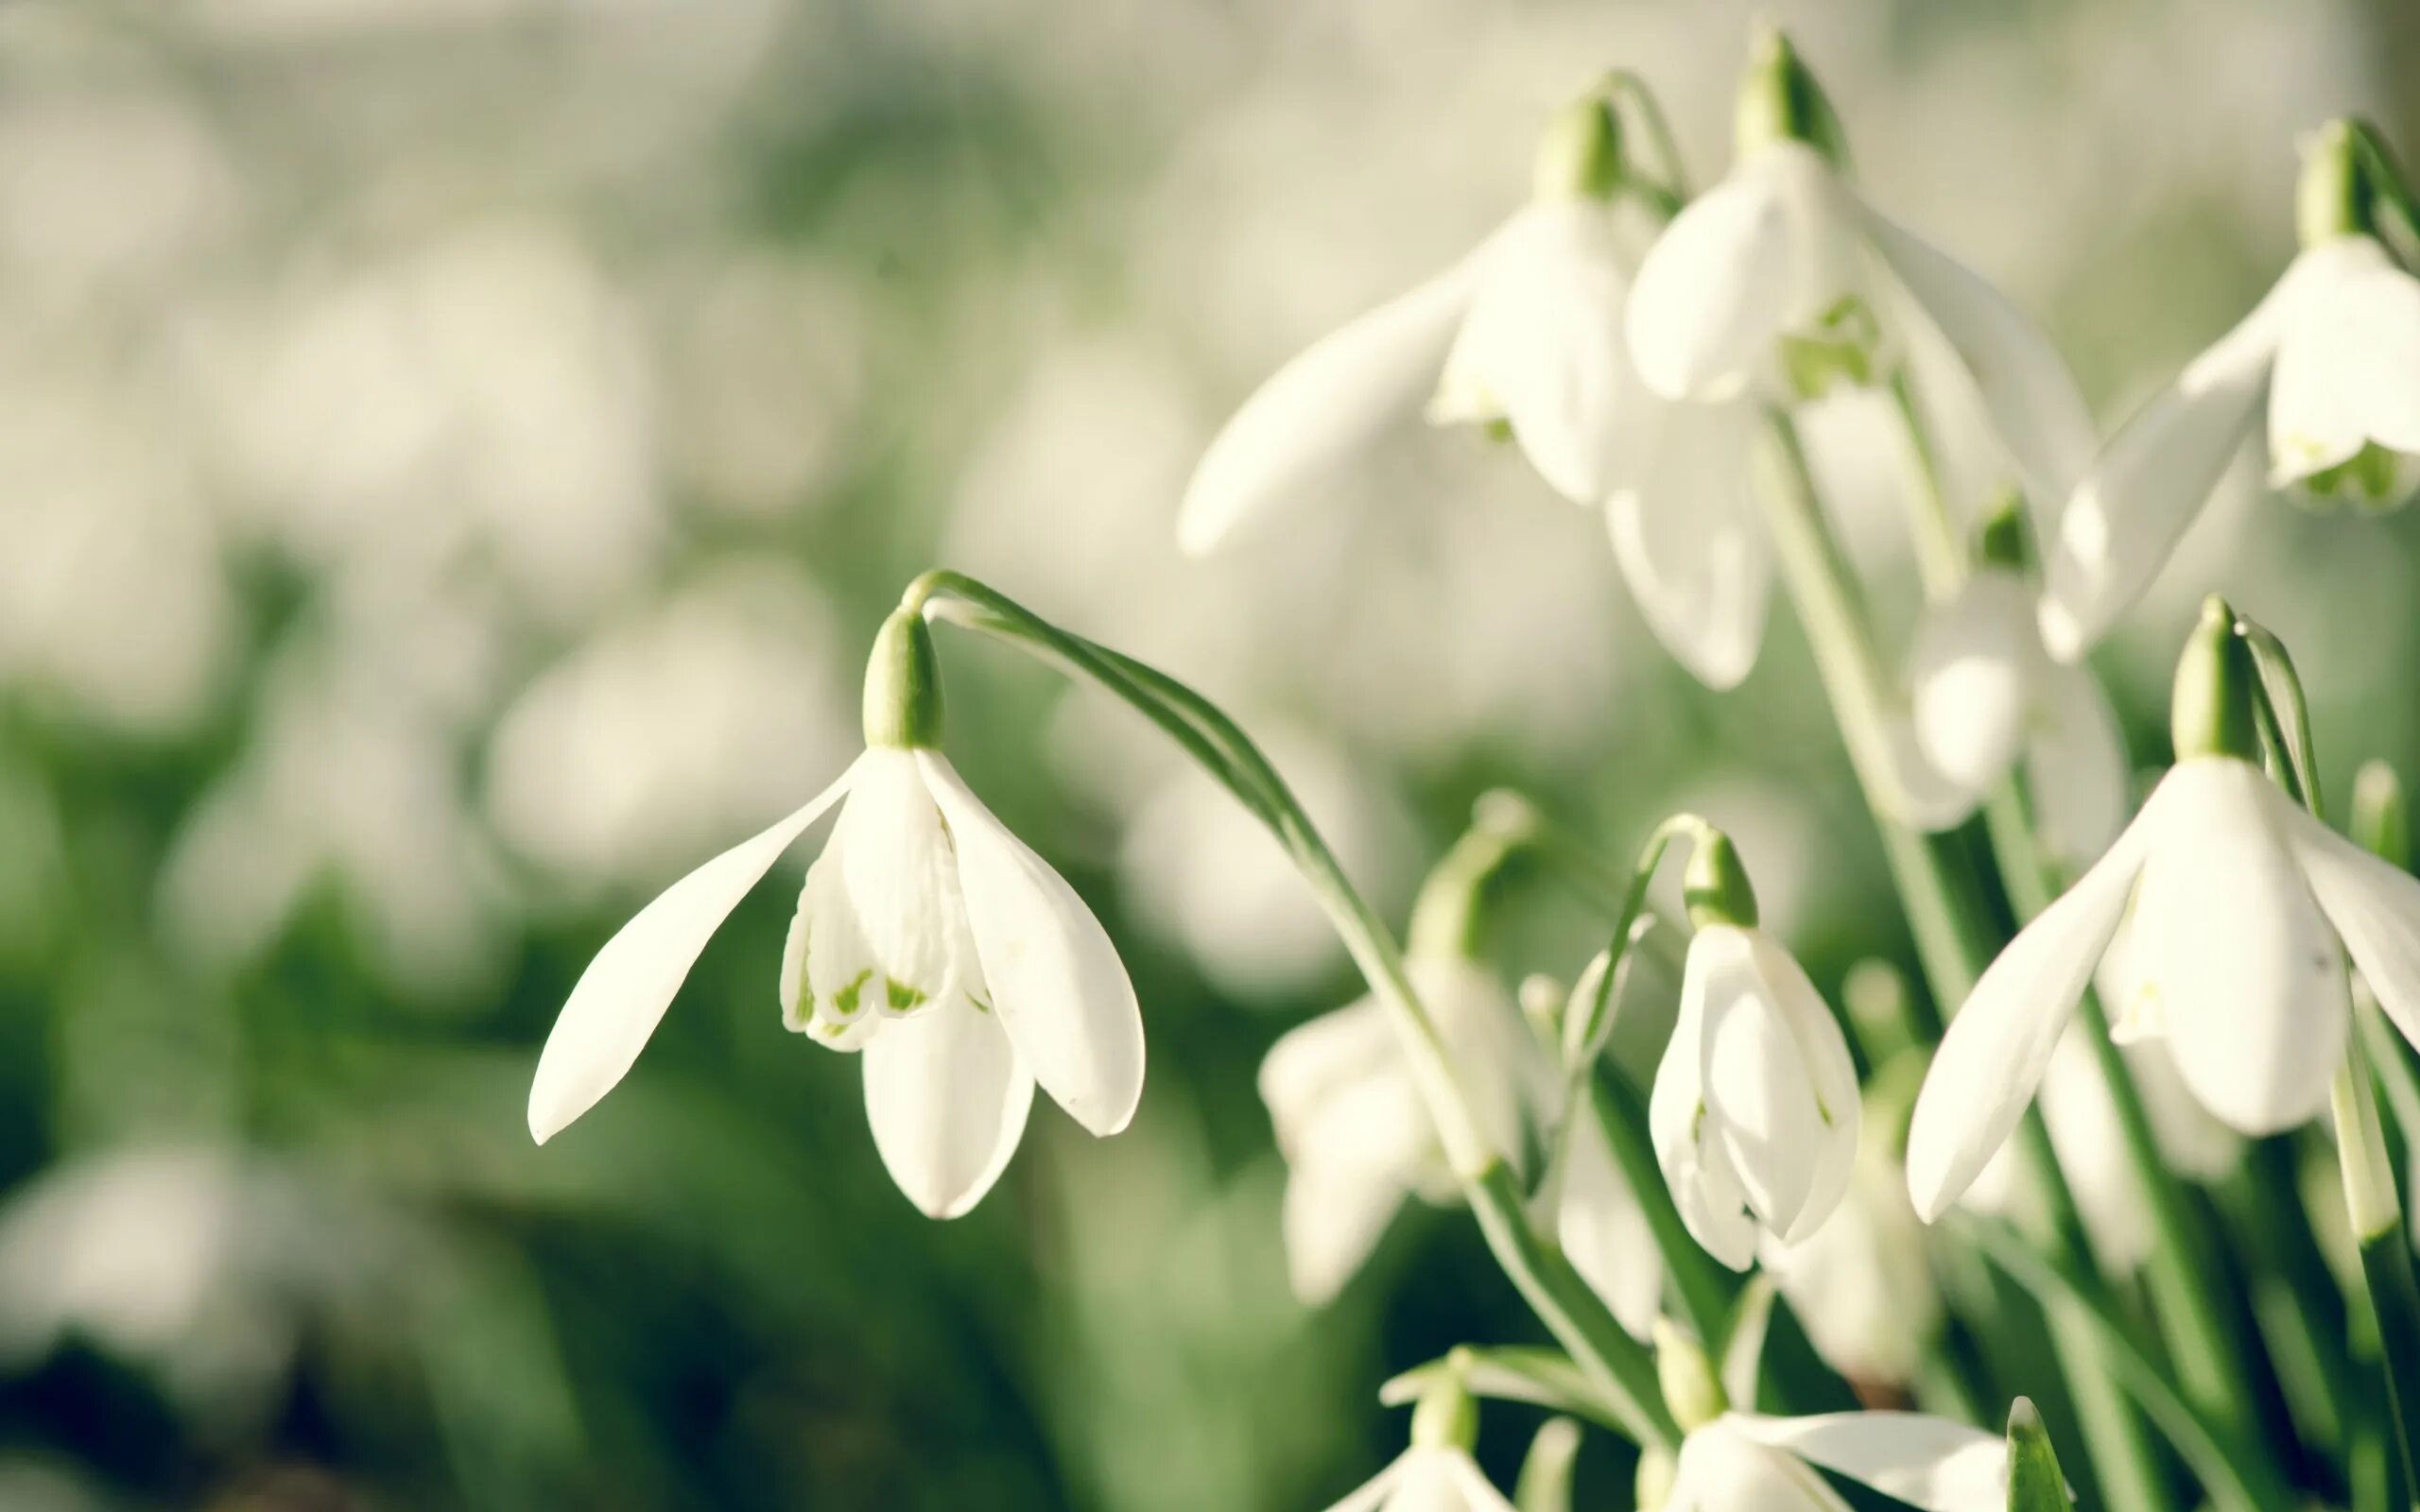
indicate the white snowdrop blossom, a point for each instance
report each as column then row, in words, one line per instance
column 1782, row 282
column 2332, row 354
column 1986, row 697
column 1755, row 1110
column 1744, row 1462
column 2244, row 911
column 1353, row 1129
column 928, row 938
column 1426, row 1478
column 1526, row 332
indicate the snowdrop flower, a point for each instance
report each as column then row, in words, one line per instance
column 1744, row 1462
column 2245, row 908
column 1755, row 1110
column 1524, row 335
column 2332, row 353
column 1353, row 1128
column 1986, row 697
column 1435, row 1474
column 1782, row 282
column 928, row 936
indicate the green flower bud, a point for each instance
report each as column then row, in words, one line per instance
column 2210, row 712
column 2334, row 196
column 1446, row 1417
column 1780, row 101
column 1691, row 1390
column 1580, row 152
column 903, row 698
column 2381, row 815
column 1715, row 886
column 2035, row 1483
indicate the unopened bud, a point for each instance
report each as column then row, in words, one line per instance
column 1580, row 152
column 2210, row 712
column 2334, row 196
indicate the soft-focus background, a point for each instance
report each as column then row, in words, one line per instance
column 453, row 455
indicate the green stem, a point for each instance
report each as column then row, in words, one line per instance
column 2060, row 1290
column 1954, row 938
column 1616, row 1365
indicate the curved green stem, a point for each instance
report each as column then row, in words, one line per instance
column 1616, row 1365
column 1668, row 192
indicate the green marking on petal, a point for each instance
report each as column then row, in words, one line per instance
column 844, row 1001
column 902, row 995
column 1840, row 350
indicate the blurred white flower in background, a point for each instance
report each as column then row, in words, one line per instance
column 673, row 728
column 181, row 1259
column 1862, row 1287
column 482, row 398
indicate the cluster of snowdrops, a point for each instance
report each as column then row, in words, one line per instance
column 1709, row 1207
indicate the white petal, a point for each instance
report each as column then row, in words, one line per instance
column 1477, row 1494
column 1712, row 294
column 2231, row 954
column 880, row 929
column 1602, row 1229
column 1057, row 984
column 1372, row 1494
column 622, row 996
column 1817, row 1054
column 2152, row 479
column 2375, row 908
column 1722, row 1469
column 2316, row 422
column 1926, row 1462
column 2358, row 339
column 1491, row 1046
column 1970, row 676
column 1541, row 344
column 947, row 1100
column 1996, row 1049
column 1337, row 1206
column 1322, row 408
column 1695, row 1160
column 1318, row 1058
column 2037, row 413
column 1911, row 788
column 2076, row 769
column 1686, row 534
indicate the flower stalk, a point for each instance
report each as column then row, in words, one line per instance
column 1615, row 1364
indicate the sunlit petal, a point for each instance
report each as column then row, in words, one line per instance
column 1057, row 984
column 2231, row 955
column 947, row 1100
column 622, row 996
column 1713, row 291
column 1686, row 534
column 1996, row 1049
column 1321, row 409
column 2375, row 908
column 1925, row 1461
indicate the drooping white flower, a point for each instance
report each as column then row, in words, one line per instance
column 1863, row 1285
column 1755, row 1111
column 1782, row 281
column 2244, row 911
column 1745, row 1462
column 928, row 938
column 1986, row 697
column 1426, row 1478
column 2331, row 354
column 1350, row 1122
column 1525, row 332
